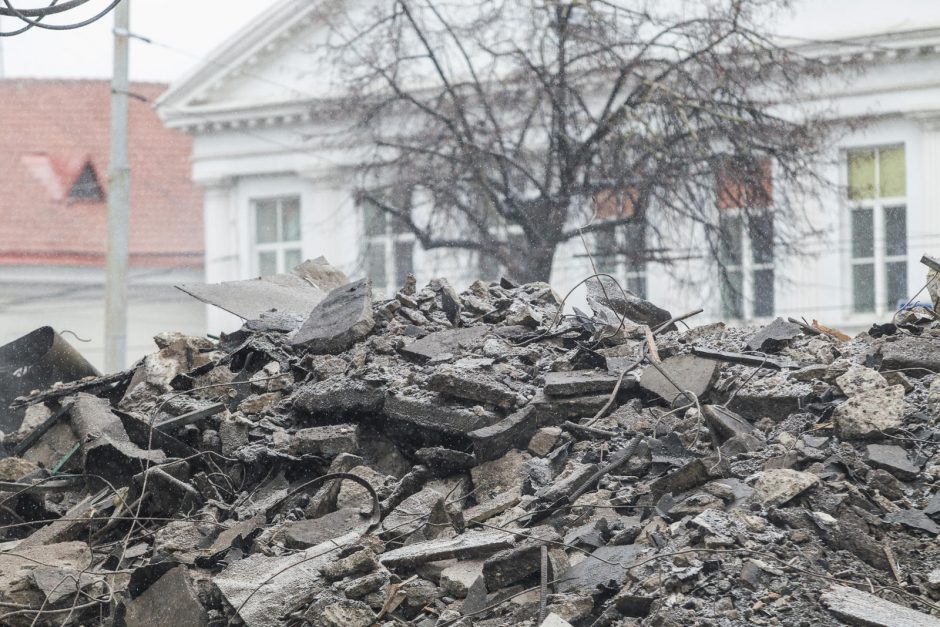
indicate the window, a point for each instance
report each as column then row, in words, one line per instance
column 877, row 192
column 746, row 240
column 621, row 250
column 388, row 245
column 277, row 234
column 86, row 186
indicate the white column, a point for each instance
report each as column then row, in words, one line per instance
column 222, row 254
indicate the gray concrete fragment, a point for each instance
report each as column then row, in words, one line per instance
column 544, row 440
column 457, row 579
column 913, row 519
column 328, row 441
column 499, row 475
column 339, row 395
column 725, row 424
column 513, row 431
column 472, row 385
column 359, row 563
column 335, row 611
column 870, row 413
column 858, row 379
column 695, row 374
column 105, row 446
column 444, row 461
column 892, row 458
column 304, row 534
column 590, row 573
column 905, row 351
column 340, row 320
column 296, row 292
column 579, row 382
column 451, row 341
column 431, row 413
column 864, row 609
column 774, row 336
column 776, row 487
column 469, row 545
column 169, row 602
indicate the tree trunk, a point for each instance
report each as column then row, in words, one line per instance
column 534, row 263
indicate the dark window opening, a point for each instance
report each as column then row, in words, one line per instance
column 86, row 186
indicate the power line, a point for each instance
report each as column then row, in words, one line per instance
column 33, row 18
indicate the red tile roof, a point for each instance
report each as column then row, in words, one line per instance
column 49, row 131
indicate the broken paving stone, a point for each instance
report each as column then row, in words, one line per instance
column 579, row 382
column 515, row 564
column 691, row 373
column 171, row 600
column 411, row 513
column 892, row 458
column 16, row 568
column 861, row 608
column 869, row 414
column 449, row 342
column 341, row 319
column 914, row 519
column 492, row 507
column 776, row 487
column 774, row 336
column 327, row 442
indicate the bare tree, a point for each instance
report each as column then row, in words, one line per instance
column 525, row 123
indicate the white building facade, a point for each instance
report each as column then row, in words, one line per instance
column 273, row 197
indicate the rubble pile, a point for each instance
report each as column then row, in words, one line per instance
column 443, row 459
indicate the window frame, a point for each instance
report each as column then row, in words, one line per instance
column 631, row 276
column 389, row 240
column 279, row 247
column 878, row 205
column 729, row 190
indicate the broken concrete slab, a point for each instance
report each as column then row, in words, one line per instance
column 306, row 533
column 457, row 579
column 296, row 292
column 858, row 379
column 774, row 336
column 543, row 441
column 913, row 519
column 864, row 609
column 499, row 475
column 469, row 545
column 341, row 319
column 442, row 343
column 724, row 423
column 905, row 351
column 106, row 449
column 429, row 414
column 472, row 385
column 339, row 396
column 579, row 382
column 609, row 570
column 444, row 461
column 171, row 600
column 892, row 458
column 513, row 431
column 326, row 442
column 869, row 414
column 776, row 487
column 691, row 373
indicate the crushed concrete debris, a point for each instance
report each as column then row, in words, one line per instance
column 431, row 459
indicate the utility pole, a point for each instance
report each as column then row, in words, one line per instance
column 119, row 194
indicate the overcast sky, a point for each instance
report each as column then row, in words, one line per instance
column 185, row 31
